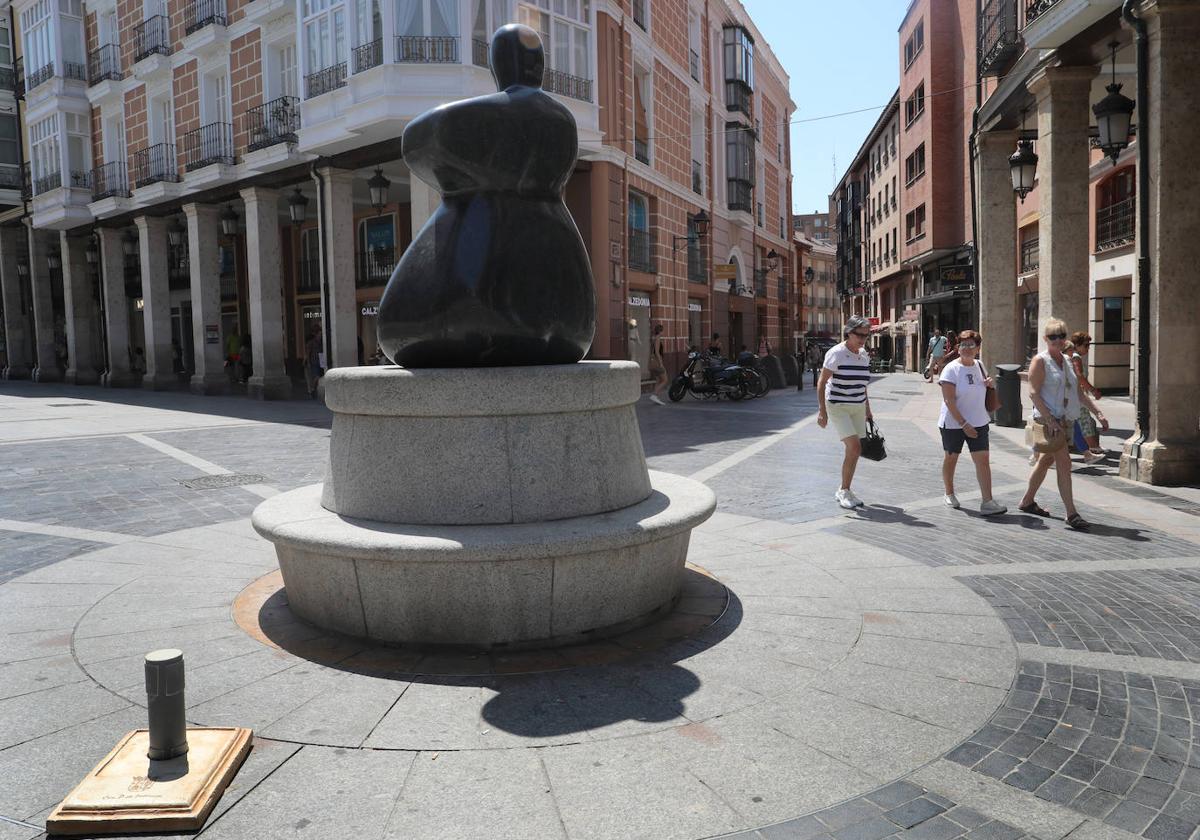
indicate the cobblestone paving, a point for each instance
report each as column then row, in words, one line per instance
column 901, row 809
column 1118, row 746
column 21, row 553
column 288, row 456
column 1153, row 613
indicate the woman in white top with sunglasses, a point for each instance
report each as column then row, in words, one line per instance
column 1056, row 399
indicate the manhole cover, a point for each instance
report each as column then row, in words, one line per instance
column 214, row 482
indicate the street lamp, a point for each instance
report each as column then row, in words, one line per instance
column 129, row 243
column 175, row 232
column 772, row 260
column 1022, row 165
column 809, row 274
column 378, row 185
column 297, row 207
column 1113, row 115
column 22, row 267
column 229, row 221
column 53, row 260
column 92, row 252
column 700, row 223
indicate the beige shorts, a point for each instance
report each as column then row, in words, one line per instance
column 848, row 419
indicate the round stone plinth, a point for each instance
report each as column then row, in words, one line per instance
column 477, row 446
column 517, row 585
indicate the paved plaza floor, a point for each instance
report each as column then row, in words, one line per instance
column 904, row 669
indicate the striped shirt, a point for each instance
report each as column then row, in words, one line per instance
column 851, row 373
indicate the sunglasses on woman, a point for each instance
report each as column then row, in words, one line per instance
column 1056, row 337
column 967, row 345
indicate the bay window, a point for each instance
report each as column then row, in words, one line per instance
column 565, row 30
column 740, row 166
column 45, row 155
column 324, row 34
column 39, row 50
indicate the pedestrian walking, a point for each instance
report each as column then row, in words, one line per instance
column 657, row 368
column 933, row 353
column 1056, row 395
column 842, row 394
column 964, row 420
column 313, row 369
column 1087, row 421
column 815, row 359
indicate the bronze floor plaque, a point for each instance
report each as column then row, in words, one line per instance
column 127, row 792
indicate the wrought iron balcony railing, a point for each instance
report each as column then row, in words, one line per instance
column 104, row 63
column 71, row 70
column 46, row 183
column 641, row 251
column 999, row 38
column 697, row 178
column 323, row 81
column 11, row 177
column 426, row 49
column 641, row 150
column 79, row 179
column 1036, row 8
column 741, row 194
column 110, row 181
column 738, row 97
column 479, row 53
column 40, row 76
column 375, row 267
column 310, row 277
column 368, row 55
column 565, row 84
column 271, row 123
column 154, row 164
column 209, row 144
column 1114, row 224
column 152, row 36
column 1030, row 259
column 202, row 13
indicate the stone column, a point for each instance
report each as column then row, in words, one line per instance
column 264, row 261
column 1064, row 113
column 116, row 309
column 156, row 299
column 204, row 264
column 999, row 316
column 14, row 304
column 84, row 362
column 340, row 308
column 424, row 200
column 41, row 282
column 1172, row 455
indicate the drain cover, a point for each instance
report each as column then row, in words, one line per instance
column 215, row 482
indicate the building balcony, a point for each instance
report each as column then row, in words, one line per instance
column 741, row 195
column 40, row 76
column 208, row 145
column 59, row 202
column 43, row 184
column 998, row 39
column 323, row 81
column 155, row 164
column 479, row 53
column 1115, row 225
column 641, row 251
column 374, row 268
column 426, row 49
column 110, row 181
column 366, row 56
column 739, row 98
column 1051, row 23
column 641, row 150
column 104, row 64
column 564, row 84
column 272, row 123
column 152, row 37
column 201, row 13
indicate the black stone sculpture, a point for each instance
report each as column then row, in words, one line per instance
column 499, row 274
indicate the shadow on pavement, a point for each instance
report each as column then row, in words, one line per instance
column 891, row 515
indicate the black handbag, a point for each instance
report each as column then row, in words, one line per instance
column 872, row 443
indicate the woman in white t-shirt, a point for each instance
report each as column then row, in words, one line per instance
column 964, row 419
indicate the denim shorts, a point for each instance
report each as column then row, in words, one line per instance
column 953, row 440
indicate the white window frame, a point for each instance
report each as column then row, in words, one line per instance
column 425, row 12
column 38, row 35
column 578, row 27
column 45, row 148
column 334, row 49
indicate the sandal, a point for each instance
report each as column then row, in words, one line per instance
column 1035, row 509
column 1077, row 522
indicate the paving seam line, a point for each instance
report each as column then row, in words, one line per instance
column 750, row 450
column 263, row 491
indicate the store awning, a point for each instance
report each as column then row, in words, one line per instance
column 939, row 297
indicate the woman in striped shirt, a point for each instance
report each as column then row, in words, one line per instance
column 842, row 393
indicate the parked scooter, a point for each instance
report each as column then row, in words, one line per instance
column 707, row 377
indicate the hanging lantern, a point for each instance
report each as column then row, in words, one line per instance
column 229, row 221
column 701, row 222
column 175, row 233
column 91, row 251
column 53, row 260
column 22, row 267
column 378, row 185
column 297, row 207
column 1023, row 167
column 129, row 243
column 1113, row 115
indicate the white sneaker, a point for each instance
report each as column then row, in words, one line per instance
column 654, row 399
column 846, row 499
column 992, row 508
column 1092, row 457
column 857, row 501
column 952, row 501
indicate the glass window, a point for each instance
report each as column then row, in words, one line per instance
column 739, row 56
column 9, row 154
column 1114, row 319
column 565, row 41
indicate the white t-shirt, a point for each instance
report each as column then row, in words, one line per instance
column 851, row 375
column 970, row 394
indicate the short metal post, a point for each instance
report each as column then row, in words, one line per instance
column 164, row 703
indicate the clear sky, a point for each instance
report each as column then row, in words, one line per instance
column 841, row 56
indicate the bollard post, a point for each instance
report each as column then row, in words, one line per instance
column 164, row 704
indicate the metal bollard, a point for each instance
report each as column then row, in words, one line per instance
column 164, row 703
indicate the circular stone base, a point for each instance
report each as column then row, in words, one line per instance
column 539, row 584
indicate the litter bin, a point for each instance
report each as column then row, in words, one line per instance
column 1008, row 384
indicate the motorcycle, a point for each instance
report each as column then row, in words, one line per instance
column 708, row 378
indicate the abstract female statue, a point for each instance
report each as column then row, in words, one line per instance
column 499, row 274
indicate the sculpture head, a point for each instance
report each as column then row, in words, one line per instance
column 517, row 57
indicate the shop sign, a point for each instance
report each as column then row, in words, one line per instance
column 956, row 276
column 212, row 334
column 639, row 300
column 725, row 271
column 911, row 314
column 874, row 322
column 693, row 306
column 370, row 309
column 312, row 314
